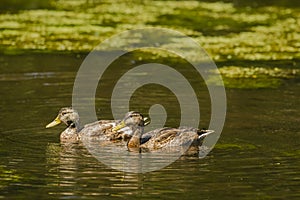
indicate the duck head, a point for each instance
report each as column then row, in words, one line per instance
column 136, row 122
column 132, row 120
column 68, row 116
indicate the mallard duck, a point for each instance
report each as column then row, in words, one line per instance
column 100, row 129
column 161, row 138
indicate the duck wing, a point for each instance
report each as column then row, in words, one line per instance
column 102, row 130
column 169, row 137
column 147, row 136
column 100, row 123
column 97, row 129
column 160, row 138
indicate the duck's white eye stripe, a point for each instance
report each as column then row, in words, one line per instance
column 135, row 115
column 66, row 112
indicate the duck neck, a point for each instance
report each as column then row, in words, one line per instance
column 73, row 127
column 135, row 140
column 70, row 133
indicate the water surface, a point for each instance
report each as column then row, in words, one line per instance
column 257, row 156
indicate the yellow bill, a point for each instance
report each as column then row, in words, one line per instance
column 119, row 126
column 55, row 122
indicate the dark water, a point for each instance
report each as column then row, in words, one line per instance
column 257, row 156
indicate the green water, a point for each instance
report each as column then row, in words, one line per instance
column 257, row 156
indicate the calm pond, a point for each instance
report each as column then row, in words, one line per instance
column 256, row 157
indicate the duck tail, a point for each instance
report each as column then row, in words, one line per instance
column 203, row 133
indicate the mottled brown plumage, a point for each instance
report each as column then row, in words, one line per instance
column 100, row 130
column 162, row 138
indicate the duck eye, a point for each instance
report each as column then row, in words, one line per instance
column 63, row 113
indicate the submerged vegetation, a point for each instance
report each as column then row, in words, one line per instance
column 228, row 32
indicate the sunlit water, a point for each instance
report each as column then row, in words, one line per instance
column 257, row 156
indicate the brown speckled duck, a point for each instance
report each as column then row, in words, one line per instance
column 101, row 130
column 161, row 138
